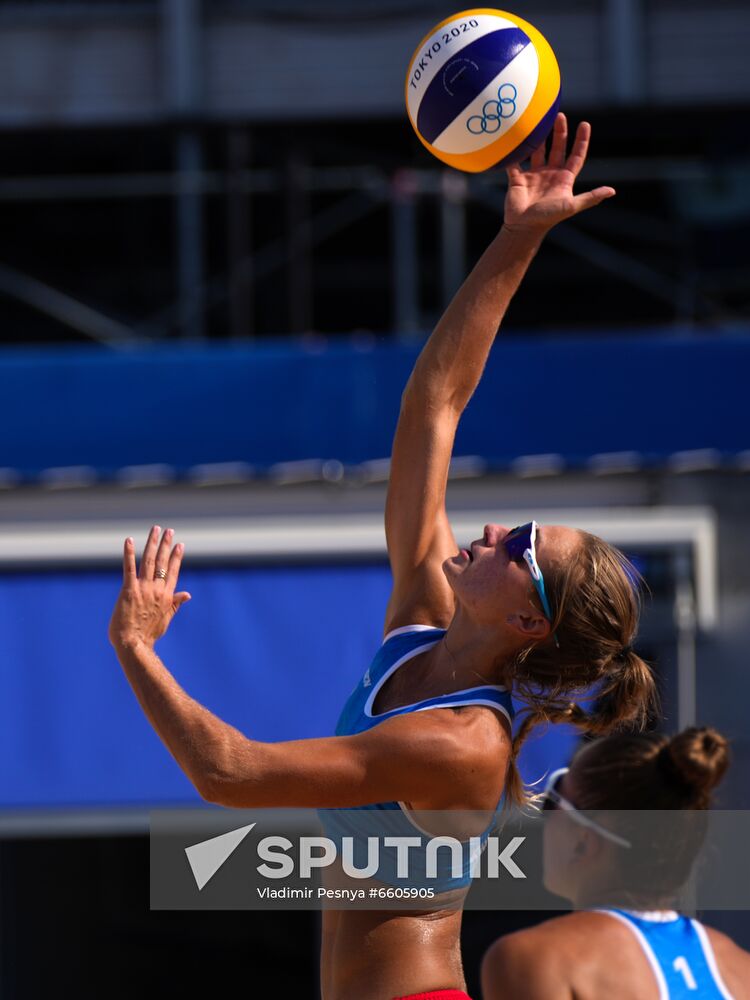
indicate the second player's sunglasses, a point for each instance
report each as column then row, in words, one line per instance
column 520, row 546
column 551, row 799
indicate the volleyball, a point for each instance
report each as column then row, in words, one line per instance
column 483, row 89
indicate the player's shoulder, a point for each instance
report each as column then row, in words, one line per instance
column 485, row 721
column 526, row 963
column 467, row 753
column 554, row 939
column 733, row 962
column 470, row 735
column 721, row 942
column 579, row 925
column 480, row 734
column 541, row 961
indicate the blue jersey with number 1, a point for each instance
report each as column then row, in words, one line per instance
column 679, row 953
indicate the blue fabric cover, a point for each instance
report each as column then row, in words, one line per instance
column 652, row 394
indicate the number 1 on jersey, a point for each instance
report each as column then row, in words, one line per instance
column 680, row 965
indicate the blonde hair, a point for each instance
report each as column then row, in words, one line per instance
column 595, row 600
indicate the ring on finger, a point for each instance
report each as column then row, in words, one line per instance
column 160, row 573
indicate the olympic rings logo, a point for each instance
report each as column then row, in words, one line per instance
column 494, row 111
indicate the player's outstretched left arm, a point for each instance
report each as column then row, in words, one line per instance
column 412, row 759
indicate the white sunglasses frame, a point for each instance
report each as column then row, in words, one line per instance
column 550, row 794
column 529, row 556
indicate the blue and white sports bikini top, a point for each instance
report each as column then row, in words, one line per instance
column 400, row 646
column 679, row 953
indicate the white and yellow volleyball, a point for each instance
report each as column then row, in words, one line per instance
column 483, row 89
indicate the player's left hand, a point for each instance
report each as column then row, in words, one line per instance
column 148, row 602
column 542, row 196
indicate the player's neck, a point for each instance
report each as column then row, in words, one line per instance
column 473, row 656
column 615, row 897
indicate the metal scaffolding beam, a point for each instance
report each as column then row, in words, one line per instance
column 181, row 23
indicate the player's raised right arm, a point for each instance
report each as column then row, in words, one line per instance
column 449, row 369
column 444, row 378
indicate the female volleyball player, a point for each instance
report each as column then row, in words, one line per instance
column 546, row 610
column 648, row 950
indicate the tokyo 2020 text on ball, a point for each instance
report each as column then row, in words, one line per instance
column 483, row 89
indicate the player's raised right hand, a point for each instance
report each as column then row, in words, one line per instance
column 541, row 196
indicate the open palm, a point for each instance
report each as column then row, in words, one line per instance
column 542, row 196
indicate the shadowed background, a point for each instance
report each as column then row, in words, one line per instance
column 222, row 249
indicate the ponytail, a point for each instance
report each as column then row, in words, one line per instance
column 595, row 597
column 629, row 698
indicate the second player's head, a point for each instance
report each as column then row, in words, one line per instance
column 628, row 817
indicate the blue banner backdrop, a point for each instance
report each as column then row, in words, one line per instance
column 652, row 393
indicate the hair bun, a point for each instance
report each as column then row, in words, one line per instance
column 699, row 756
